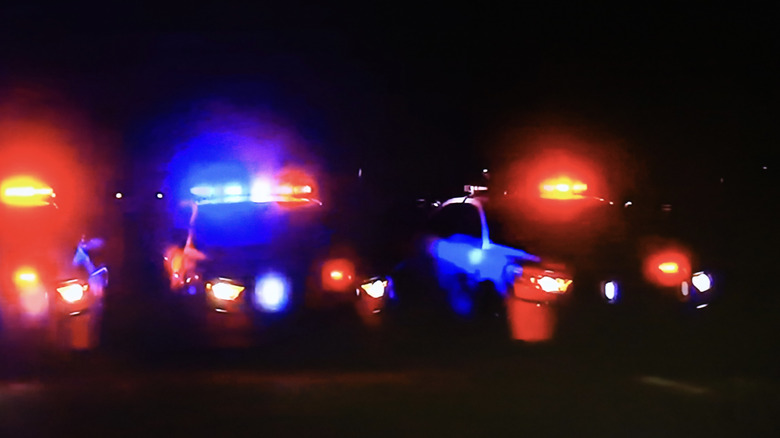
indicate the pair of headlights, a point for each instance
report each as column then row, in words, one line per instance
column 272, row 291
column 701, row 281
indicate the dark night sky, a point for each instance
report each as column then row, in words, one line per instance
column 401, row 87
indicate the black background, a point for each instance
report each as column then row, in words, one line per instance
column 401, row 88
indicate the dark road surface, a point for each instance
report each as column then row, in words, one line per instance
column 714, row 376
column 706, row 380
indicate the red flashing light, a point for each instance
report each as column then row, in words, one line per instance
column 338, row 275
column 668, row 268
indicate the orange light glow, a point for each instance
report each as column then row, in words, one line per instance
column 338, row 275
column 25, row 191
column 25, row 277
column 32, row 295
column 562, row 187
column 294, row 184
column 668, row 267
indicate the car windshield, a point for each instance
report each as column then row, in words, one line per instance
column 249, row 224
column 514, row 225
column 26, row 226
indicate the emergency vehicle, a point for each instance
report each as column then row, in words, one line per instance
column 635, row 254
column 51, row 290
column 466, row 270
column 260, row 252
column 552, row 257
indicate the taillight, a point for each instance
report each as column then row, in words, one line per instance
column 338, row 275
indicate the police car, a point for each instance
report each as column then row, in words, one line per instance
column 259, row 252
column 633, row 264
column 554, row 254
column 465, row 269
column 51, row 290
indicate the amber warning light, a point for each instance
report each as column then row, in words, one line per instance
column 25, row 191
column 562, row 187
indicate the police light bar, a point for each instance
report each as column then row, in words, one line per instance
column 474, row 189
column 261, row 191
column 25, row 191
column 562, row 187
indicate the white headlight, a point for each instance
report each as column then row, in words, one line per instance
column 702, row 281
column 226, row 291
column 610, row 291
column 72, row 292
column 375, row 289
column 548, row 284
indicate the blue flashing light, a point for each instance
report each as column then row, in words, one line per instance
column 272, row 293
column 476, row 256
column 466, row 254
column 203, row 191
column 463, row 263
column 460, row 251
